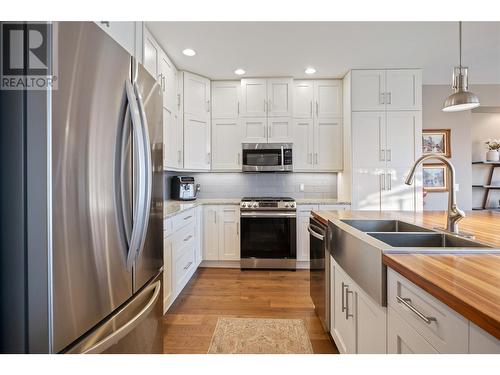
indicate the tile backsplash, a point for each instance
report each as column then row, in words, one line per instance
column 237, row 185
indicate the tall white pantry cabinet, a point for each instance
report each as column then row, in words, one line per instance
column 382, row 138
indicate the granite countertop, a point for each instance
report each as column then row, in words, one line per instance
column 173, row 207
column 468, row 283
column 319, row 201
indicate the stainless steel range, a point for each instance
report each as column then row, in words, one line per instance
column 268, row 233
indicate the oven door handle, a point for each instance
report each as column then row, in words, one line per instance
column 253, row 214
column 314, row 233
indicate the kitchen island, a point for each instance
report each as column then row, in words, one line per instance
column 468, row 283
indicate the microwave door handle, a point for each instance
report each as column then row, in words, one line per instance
column 138, row 185
column 282, row 158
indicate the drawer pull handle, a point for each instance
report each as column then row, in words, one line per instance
column 188, row 217
column 188, row 265
column 188, row 238
column 407, row 303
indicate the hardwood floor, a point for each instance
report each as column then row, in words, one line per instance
column 212, row 292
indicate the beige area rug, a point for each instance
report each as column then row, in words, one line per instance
column 260, row 336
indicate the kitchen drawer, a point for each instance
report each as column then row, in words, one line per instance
column 174, row 223
column 183, row 238
column 403, row 339
column 182, row 219
column 183, row 268
column 447, row 331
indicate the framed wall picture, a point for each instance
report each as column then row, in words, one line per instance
column 435, row 177
column 436, row 142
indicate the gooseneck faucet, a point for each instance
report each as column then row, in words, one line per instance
column 455, row 214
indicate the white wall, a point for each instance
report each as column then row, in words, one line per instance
column 467, row 131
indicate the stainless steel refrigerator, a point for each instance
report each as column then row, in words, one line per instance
column 94, row 282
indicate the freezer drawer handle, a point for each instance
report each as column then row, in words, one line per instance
column 124, row 330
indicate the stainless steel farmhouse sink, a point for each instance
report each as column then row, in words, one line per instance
column 384, row 226
column 414, row 242
column 358, row 246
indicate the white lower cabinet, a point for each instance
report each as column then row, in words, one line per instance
column 358, row 323
column 403, row 339
column 181, row 249
column 303, row 215
column 221, row 232
column 198, row 255
column 443, row 328
column 481, row 342
column 419, row 323
column 343, row 313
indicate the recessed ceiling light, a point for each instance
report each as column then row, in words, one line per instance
column 239, row 71
column 310, row 71
column 189, row 52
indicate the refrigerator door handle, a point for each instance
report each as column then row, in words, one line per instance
column 87, row 346
column 124, row 196
column 148, row 170
column 140, row 193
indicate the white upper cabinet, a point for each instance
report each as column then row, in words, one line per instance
column 403, row 89
column 303, row 98
column 402, row 139
column 390, row 89
column 303, row 146
column 169, row 82
column 328, row 98
column 124, row 33
column 368, row 134
column 158, row 64
column 151, row 54
column 197, row 144
column 279, row 97
column 254, row 130
column 368, row 90
column 318, row 143
column 328, row 144
column 226, row 144
column 279, row 129
column 225, row 99
column 196, row 95
column 254, row 97
column 263, row 97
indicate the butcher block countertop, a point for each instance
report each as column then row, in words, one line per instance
column 468, row 283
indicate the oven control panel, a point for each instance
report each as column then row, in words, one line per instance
column 268, row 205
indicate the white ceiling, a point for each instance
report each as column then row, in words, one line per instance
column 287, row 48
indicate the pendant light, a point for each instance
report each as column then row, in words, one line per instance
column 461, row 99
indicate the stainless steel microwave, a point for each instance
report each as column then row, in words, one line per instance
column 267, row 157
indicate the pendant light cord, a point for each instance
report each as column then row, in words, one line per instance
column 460, row 42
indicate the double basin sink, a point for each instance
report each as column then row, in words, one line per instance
column 358, row 246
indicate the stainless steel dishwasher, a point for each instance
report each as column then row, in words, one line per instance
column 319, row 285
